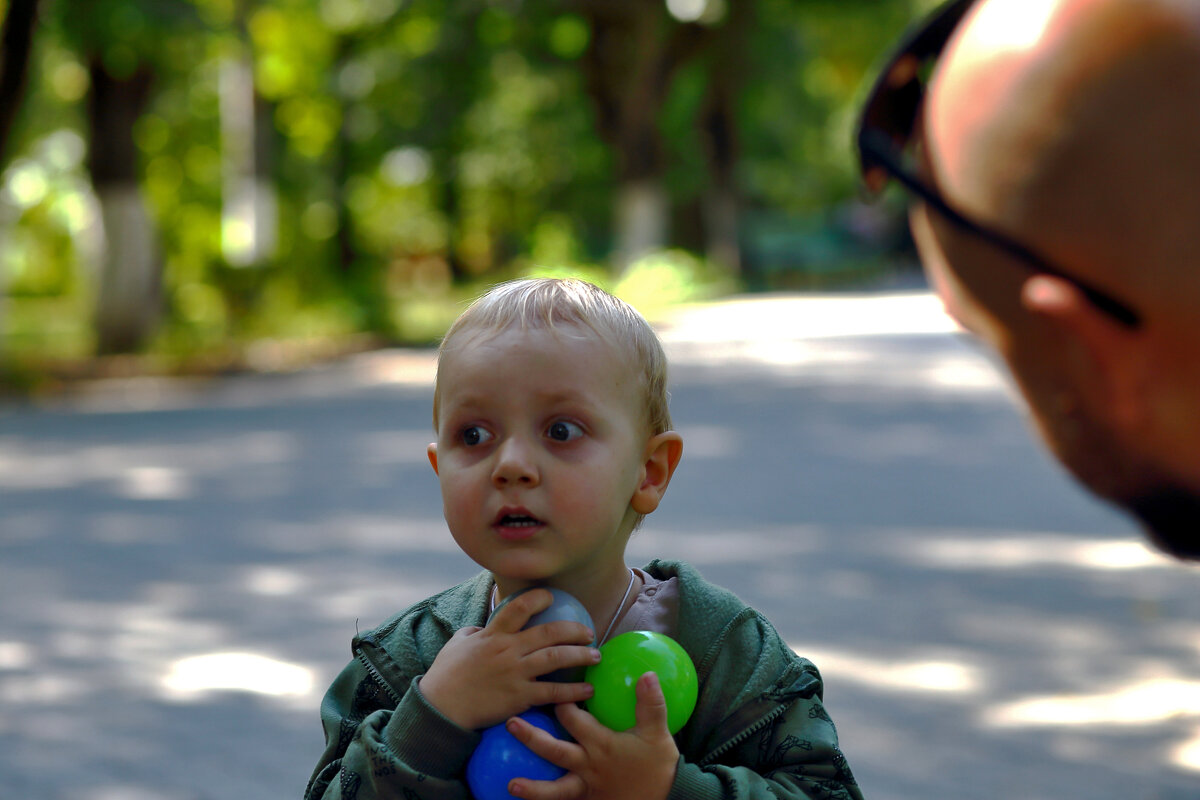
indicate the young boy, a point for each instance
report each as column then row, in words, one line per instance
column 553, row 441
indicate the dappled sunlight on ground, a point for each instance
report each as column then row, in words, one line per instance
column 396, row 366
column 188, row 679
column 1139, row 703
column 1187, row 753
column 810, row 316
column 834, row 338
column 894, row 346
column 720, row 547
column 1035, row 549
column 145, row 471
column 895, row 675
column 1142, row 703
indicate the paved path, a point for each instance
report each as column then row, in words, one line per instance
column 182, row 564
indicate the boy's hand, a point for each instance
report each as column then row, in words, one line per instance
column 604, row 765
column 484, row 675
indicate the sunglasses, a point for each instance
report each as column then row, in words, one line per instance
column 885, row 143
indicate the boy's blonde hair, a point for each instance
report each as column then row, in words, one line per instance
column 547, row 302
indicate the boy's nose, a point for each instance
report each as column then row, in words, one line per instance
column 514, row 464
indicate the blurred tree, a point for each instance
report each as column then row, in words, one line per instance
column 16, row 40
column 718, row 126
column 121, row 41
column 16, row 37
column 635, row 51
column 408, row 146
column 128, row 299
column 248, row 219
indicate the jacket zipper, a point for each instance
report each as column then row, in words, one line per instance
column 374, row 673
column 743, row 736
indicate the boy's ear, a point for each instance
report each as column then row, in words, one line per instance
column 431, row 451
column 1118, row 365
column 663, row 452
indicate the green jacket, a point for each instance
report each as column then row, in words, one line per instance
column 759, row 729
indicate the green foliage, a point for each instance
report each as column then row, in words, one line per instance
column 415, row 150
column 803, row 112
column 659, row 281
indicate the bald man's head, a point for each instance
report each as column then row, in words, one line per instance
column 1073, row 127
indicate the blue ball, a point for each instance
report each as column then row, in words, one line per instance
column 500, row 757
column 564, row 607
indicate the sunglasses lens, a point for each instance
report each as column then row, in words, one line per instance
column 890, row 114
column 900, row 101
column 888, row 120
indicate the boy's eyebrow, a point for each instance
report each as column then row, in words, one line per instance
column 463, row 400
column 571, row 397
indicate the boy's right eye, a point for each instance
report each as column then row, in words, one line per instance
column 474, row 435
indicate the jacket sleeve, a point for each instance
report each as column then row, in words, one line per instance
column 378, row 748
column 770, row 735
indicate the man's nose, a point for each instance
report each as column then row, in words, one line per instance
column 515, row 464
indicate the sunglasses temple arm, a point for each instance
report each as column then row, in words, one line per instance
column 1115, row 309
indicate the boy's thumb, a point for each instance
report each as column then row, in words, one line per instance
column 651, row 710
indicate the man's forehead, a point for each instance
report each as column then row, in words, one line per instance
column 1012, row 25
column 978, row 93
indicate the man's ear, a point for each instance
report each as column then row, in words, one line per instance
column 663, row 452
column 431, row 451
column 1119, row 361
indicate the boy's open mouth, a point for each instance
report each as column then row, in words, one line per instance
column 518, row 521
column 516, row 524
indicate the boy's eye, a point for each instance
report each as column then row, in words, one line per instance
column 564, row 431
column 475, row 435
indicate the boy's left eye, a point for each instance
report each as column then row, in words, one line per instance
column 564, row 431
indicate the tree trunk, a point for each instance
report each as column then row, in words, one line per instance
column 719, row 131
column 631, row 58
column 642, row 216
column 343, row 169
column 248, row 208
column 128, row 299
column 16, row 41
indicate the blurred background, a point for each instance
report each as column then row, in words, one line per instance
column 217, row 184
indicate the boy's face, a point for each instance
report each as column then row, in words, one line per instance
column 541, row 447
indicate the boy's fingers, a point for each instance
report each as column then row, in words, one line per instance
column 512, row 615
column 650, row 712
column 554, row 693
column 554, row 750
column 580, row 724
column 568, row 787
column 549, row 659
column 558, row 632
column 567, row 755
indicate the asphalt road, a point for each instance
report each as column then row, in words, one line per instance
column 183, row 564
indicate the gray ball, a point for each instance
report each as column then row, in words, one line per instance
column 565, row 607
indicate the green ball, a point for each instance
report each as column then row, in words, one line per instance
column 626, row 658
